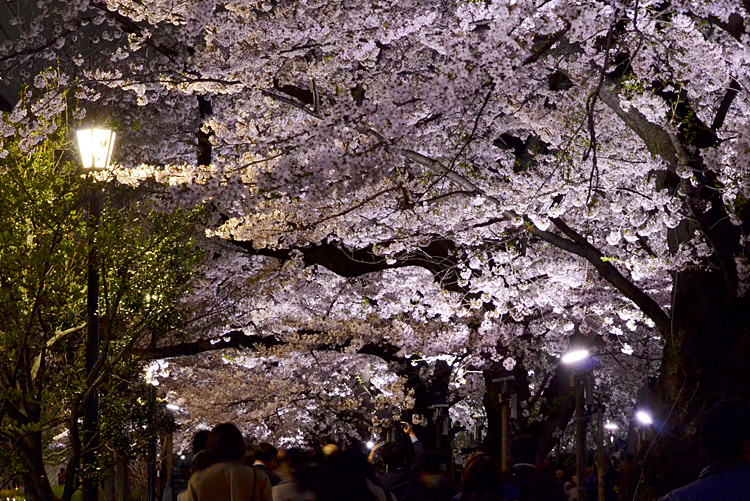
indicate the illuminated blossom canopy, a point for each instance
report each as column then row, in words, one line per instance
column 391, row 184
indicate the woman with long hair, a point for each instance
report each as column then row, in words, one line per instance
column 227, row 478
column 482, row 479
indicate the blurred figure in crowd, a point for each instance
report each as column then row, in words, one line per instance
column 227, row 478
column 724, row 435
column 482, row 479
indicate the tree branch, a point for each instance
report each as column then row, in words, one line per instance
column 580, row 246
column 726, row 102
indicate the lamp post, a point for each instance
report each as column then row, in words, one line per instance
column 578, row 381
column 645, row 420
column 95, row 146
column 508, row 401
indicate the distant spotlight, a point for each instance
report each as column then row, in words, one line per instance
column 370, row 444
column 182, row 456
column 173, row 407
column 574, row 356
column 611, row 426
column 644, row 417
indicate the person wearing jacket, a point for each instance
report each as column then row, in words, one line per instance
column 227, row 478
column 724, row 434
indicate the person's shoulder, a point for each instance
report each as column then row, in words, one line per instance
column 261, row 471
column 286, row 490
column 232, row 468
column 728, row 484
column 700, row 489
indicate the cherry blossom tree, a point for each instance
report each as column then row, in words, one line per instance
column 144, row 258
column 486, row 180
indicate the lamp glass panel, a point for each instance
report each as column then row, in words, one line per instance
column 95, row 146
column 575, row 356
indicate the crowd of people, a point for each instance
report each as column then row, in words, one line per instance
column 226, row 467
column 223, row 468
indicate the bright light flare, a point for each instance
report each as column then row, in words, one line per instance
column 611, row 426
column 173, row 407
column 370, row 444
column 575, row 356
column 644, row 417
column 95, row 146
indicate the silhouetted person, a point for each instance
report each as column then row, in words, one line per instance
column 298, row 476
column 400, row 461
column 437, row 482
column 199, row 440
column 529, row 475
column 200, row 459
column 265, row 459
column 228, row 479
column 724, row 434
column 343, row 477
column 482, row 479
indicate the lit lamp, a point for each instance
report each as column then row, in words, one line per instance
column 95, row 146
column 573, row 358
column 609, row 439
column 644, row 418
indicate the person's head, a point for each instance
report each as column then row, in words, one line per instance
column 343, row 477
column 625, row 462
column 398, row 454
column 482, row 475
column 392, row 456
column 299, row 465
column 266, row 454
column 725, row 431
column 200, row 461
column 329, row 449
column 225, row 443
column 524, row 449
column 199, row 440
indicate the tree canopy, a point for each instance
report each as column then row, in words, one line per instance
column 478, row 182
column 144, row 258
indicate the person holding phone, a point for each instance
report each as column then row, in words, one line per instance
column 401, row 459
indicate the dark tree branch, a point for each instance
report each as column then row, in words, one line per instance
column 548, row 45
column 726, row 102
column 131, row 26
column 734, row 25
column 580, row 246
column 439, row 257
column 234, row 339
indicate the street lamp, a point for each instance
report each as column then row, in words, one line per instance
column 95, row 146
column 575, row 356
column 572, row 358
column 644, row 418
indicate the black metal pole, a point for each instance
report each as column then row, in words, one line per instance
column 151, row 452
column 91, row 408
column 581, row 458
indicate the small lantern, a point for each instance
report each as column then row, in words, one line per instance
column 96, row 147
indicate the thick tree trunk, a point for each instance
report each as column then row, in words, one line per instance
column 36, row 483
column 706, row 359
column 558, row 407
column 122, row 480
column 107, row 492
